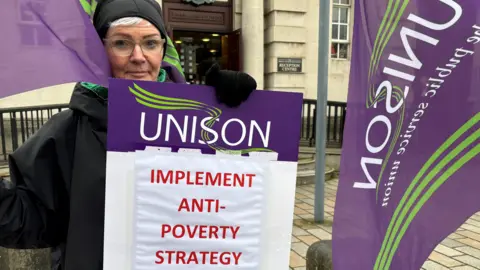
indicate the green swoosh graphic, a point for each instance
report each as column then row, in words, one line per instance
column 384, row 41
column 420, row 174
column 167, row 103
column 86, row 7
column 380, row 33
column 398, row 92
column 398, row 95
column 159, row 102
column 156, row 99
column 435, row 186
column 392, row 29
column 171, row 98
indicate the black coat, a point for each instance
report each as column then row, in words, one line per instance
column 59, row 185
column 58, row 175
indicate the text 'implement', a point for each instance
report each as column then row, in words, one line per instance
column 243, row 180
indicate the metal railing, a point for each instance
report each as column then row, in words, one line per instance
column 335, row 115
column 18, row 124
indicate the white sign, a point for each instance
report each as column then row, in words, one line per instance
column 195, row 211
column 216, row 210
column 276, row 221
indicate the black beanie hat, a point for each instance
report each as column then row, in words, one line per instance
column 108, row 11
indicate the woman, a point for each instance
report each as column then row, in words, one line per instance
column 59, row 173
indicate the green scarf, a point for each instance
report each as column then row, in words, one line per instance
column 102, row 92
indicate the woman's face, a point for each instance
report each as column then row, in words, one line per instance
column 135, row 52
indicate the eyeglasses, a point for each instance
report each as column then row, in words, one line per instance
column 125, row 47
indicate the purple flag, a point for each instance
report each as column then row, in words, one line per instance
column 48, row 42
column 410, row 165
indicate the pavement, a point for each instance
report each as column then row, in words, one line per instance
column 459, row 251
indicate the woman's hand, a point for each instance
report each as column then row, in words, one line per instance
column 231, row 87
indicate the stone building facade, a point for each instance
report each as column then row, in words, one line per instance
column 276, row 41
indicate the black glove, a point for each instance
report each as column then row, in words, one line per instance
column 231, row 87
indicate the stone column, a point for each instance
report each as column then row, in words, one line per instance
column 252, row 39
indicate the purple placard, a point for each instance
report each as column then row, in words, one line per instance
column 186, row 116
column 410, row 166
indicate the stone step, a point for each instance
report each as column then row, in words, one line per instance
column 305, row 143
column 302, row 155
column 332, row 156
column 306, row 164
column 313, row 150
column 307, row 177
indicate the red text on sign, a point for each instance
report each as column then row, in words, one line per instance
column 197, row 257
column 200, row 231
column 202, row 178
column 200, row 205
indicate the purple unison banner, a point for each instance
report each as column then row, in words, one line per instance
column 48, row 42
column 410, row 163
column 188, row 116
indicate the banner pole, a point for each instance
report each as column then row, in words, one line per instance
column 322, row 91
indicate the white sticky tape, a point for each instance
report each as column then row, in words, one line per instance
column 228, row 153
column 190, row 151
column 158, row 149
column 270, row 156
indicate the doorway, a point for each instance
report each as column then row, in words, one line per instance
column 199, row 50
